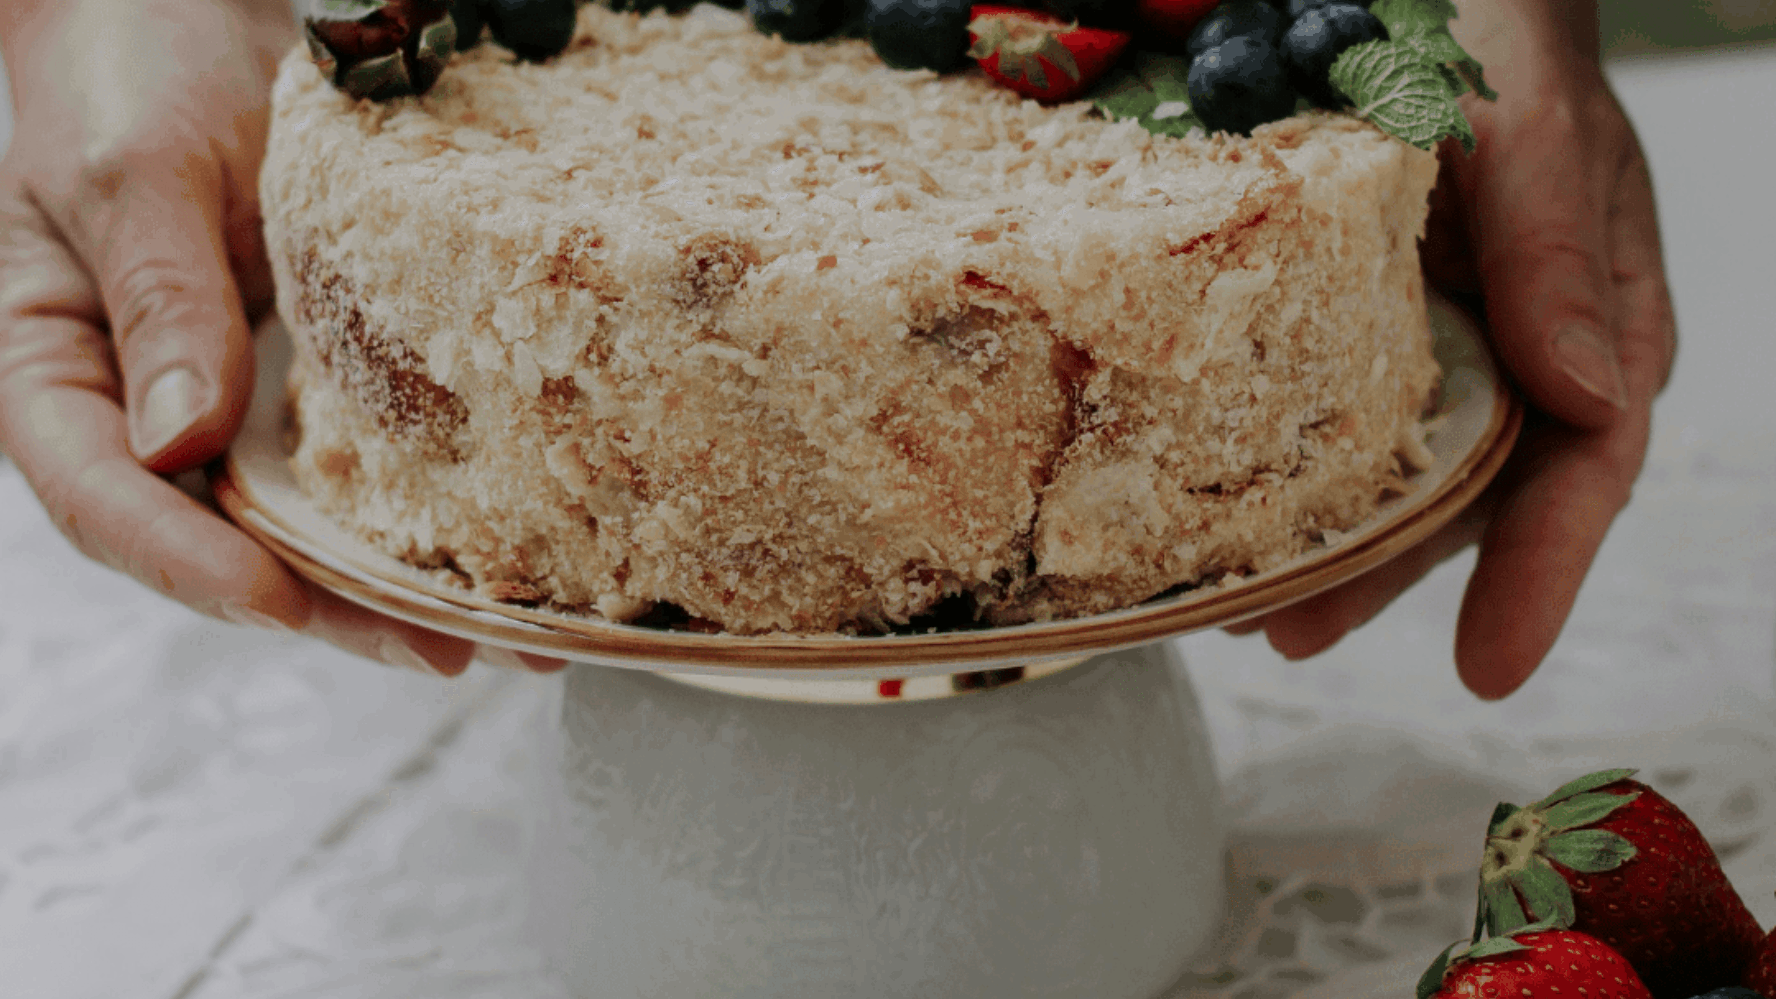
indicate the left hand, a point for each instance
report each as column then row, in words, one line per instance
column 1552, row 224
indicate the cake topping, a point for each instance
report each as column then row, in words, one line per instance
column 1245, row 62
column 1234, row 18
column 919, row 34
column 1170, row 22
column 1039, row 56
column 1316, row 40
column 1240, row 84
column 795, row 20
column 381, row 48
column 532, row 29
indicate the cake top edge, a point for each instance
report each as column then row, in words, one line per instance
column 1176, row 68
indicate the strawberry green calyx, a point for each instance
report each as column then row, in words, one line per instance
column 1464, row 950
column 1518, row 881
column 1022, row 46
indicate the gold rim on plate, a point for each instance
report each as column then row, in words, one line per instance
column 1476, row 423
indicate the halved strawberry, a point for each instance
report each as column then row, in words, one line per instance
column 1040, row 55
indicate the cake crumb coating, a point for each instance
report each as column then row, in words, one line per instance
column 797, row 342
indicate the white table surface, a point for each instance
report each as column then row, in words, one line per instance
column 193, row 810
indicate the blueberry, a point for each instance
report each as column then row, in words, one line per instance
column 919, row 34
column 1296, row 8
column 1731, row 992
column 469, row 22
column 1240, row 84
column 1316, row 40
column 1233, row 18
column 532, row 29
column 795, row 20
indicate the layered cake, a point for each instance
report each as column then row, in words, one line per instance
column 693, row 321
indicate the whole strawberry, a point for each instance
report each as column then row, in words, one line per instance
column 1609, row 856
column 1760, row 973
column 378, row 49
column 1538, row 960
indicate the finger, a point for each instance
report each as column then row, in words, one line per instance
column 1314, row 625
column 527, row 662
column 153, row 233
column 1645, row 322
column 375, row 636
column 61, row 423
column 1534, row 555
column 1538, row 210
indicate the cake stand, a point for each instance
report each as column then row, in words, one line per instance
column 1021, row 811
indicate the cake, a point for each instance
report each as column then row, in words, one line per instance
column 691, row 323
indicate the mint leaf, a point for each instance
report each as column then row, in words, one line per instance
column 1424, row 26
column 1405, row 17
column 1151, row 89
column 1401, row 94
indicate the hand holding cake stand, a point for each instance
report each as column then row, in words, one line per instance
column 1027, row 811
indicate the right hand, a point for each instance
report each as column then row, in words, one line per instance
column 131, row 268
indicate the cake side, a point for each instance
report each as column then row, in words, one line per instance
column 835, row 342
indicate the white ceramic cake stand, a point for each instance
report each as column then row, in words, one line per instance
column 1025, row 811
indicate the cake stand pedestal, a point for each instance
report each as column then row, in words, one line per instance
column 743, row 816
column 1055, row 836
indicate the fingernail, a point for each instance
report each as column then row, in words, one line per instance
column 1591, row 362
column 397, row 653
column 173, row 402
column 250, row 618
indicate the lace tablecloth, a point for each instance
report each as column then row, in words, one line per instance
column 192, row 811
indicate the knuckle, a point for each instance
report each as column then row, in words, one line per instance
column 148, row 290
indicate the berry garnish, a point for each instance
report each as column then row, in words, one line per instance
column 1234, row 19
column 1171, row 21
column 795, row 20
column 380, row 49
column 1732, row 992
column 1296, row 8
column 1316, row 40
column 469, row 21
column 1118, row 14
column 1240, row 84
column 919, row 34
column 532, row 29
column 1040, row 56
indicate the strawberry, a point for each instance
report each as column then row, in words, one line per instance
column 1760, row 974
column 1609, row 856
column 1540, row 960
column 1170, row 22
column 1039, row 55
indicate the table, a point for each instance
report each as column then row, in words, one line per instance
column 194, row 811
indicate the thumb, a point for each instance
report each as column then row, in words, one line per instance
column 154, row 238
column 1540, row 217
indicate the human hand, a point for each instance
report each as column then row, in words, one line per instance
column 1550, row 223
column 131, row 265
